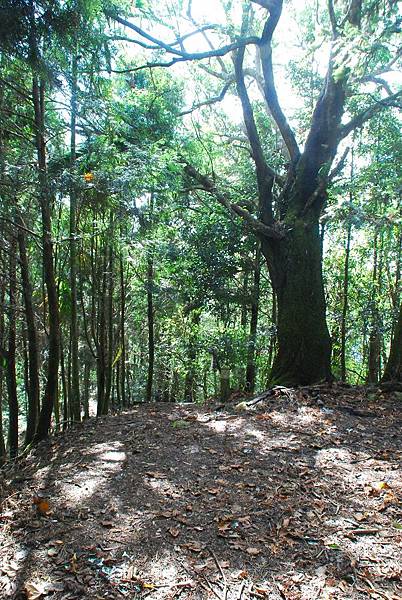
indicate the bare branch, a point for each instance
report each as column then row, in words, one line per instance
column 361, row 118
column 209, row 101
column 339, row 166
column 20, row 226
column 273, row 232
column 179, row 53
column 379, row 81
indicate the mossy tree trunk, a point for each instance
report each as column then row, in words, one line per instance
column 304, row 345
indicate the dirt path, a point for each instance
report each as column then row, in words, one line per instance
column 297, row 499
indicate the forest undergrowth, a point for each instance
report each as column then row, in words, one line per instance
column 294, row 497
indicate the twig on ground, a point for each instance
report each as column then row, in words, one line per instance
column 225, row 589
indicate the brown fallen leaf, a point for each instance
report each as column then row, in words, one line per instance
column 194, row 546
column 35, row 590
column 263, row 417
column 242, row 575
column 174, row 532
column 107, row 524
column 42, row 505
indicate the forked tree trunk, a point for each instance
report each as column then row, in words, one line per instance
column 304, row 344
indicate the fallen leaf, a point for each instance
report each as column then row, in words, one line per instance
column 174, row 532
column 107, row 524
column 194, row 546
column 35, row 590
column 242, row 575
column 42, row 505
column 253, row 551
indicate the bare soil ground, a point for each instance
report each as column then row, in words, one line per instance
column 296, row 498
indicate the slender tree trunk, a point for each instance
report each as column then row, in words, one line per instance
column 151, row 332
column 123, row 335
column 64, row 386
column 50, row 393
column 189, row 383
column 75, row 384
column 3, row 363
column 374, row 340
column 33, row 350
column 109, row 317
column 345, row 300
column 11, row 352
column 87, row 375
column 251, row 367
column 101, row 345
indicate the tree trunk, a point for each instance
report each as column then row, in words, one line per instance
column 345, row 300
column 101, row 336
column 123, row 335
column 38, row 95
column 75, row 384
column 251, row 368
column 33, row 351
column 393, row 369
column 64, row 387
column 189, row 383
column 109, row 318
column 87, row 375
column 150, row 318
column 3, row 362
column 11, row 350
column 304, row 344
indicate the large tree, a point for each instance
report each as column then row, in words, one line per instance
column 290, row 204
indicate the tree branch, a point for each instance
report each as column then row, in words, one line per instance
column 332, row 18
column 361, row 118
column 271, row 96
column 265, row 175
column 179, row 53
column 209, row 101
column 273, row 232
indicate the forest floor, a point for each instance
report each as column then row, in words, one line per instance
column 296, row 498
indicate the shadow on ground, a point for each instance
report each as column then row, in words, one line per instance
column 297, row 499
